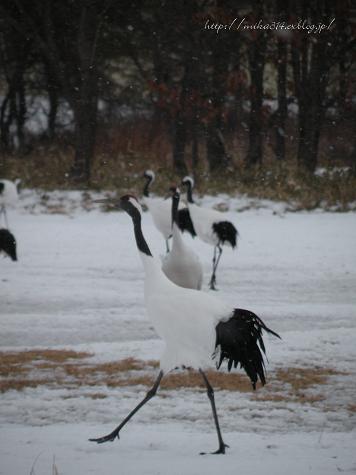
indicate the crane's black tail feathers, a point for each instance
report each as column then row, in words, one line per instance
column 185, row 222
column 240, row 341
column 8, row 243
column 226, row 231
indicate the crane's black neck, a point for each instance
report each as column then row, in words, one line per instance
column 146, row 188
column 141, row 243
column 190, row 192
column 175, row 203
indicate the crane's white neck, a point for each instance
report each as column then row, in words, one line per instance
column 155, row 280
column 178, row 243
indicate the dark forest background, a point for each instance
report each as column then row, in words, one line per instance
column 94, row 91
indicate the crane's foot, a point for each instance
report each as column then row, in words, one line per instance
column 212, row 284
column 221, row 450
column 107, row 438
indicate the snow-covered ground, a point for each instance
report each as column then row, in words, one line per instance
column 78, row 286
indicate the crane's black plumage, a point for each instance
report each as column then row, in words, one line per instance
column 8, row 243
column 2, row 188
column 185, row 221
column 226, row 232
column 126, row 203
column 240, row 342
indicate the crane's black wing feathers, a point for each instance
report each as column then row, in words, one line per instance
column 8, row 243
column 2, row 187
column 240, row 342
column 185, row 222
column 226, row 231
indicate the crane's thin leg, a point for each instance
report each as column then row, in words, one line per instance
column 210, row 392
column 213, row 278
column 115, row 433
column 215, row 266
column 167, row 246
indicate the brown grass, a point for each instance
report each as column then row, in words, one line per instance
column 189, row 379
column 303, row 378
column 21, row 384
column 124, row 151
column 69, row 369
column 295, row 383
column 55, row 356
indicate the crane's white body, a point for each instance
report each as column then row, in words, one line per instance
column 195, row 327
column 203, row 220
column 160, row 210
column 9, row 193
column 181, row 265
column 184, row 318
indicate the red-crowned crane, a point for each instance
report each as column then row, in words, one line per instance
column 160, row 210
column 195, row 326
column 181, row 265
column 211, row 227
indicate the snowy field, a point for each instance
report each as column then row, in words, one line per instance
column 78, row 285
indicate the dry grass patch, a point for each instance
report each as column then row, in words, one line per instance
column 120, row 167
column 21, row 384
column 291, row 384
column 188, row 379
column 303, row 378
column 23, row 357
column 69, row 369
column 72, row 370
column 14, row 364
column 222, row 381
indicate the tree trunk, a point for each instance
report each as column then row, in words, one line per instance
column 53, row 97
column 179, row 141
column 257, row 63
column 311, row 96
column 5, row 121
column 53, row 110
column 195, row 143
column 311, row 66
column 21, row 112
column 282, row 110
column 237, row 83
column 13, row 108
column 282, row 101
column 217, row 156
column 85, row 118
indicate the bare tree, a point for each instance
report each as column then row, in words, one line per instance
column 282, row 111
column 257, row 57
column 67, row 35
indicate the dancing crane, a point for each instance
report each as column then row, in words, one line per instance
column 196, row 328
